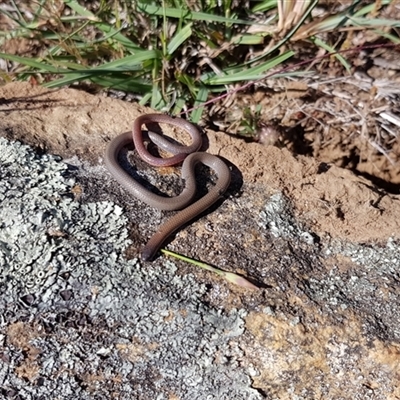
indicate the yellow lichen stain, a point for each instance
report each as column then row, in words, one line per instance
column 28, row 369
column 319, row 357
column 170, row 317
column 136, row 350
column 387, row 354
column 173, row 396
column 21, row 335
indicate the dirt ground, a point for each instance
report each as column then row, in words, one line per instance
column 349, row 121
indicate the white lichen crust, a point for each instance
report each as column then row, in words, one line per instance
column 80, row 321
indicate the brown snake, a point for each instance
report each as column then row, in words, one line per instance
column 180, row 153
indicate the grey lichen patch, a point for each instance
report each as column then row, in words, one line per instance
column 342, row 276
column 383, row 259
column 102, row 326
column 368, row 284
column 43, row 231
column 278, row 218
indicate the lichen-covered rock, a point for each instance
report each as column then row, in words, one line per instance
column 81, row 321
column 82, row 318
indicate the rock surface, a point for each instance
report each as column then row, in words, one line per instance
column 84, row 318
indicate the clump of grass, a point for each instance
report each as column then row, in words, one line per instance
column 173, row 54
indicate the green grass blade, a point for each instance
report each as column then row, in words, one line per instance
column 83, row 11
column 157, row 100
column 40, row 66
column 389, row 36
column 371, row 23
column 229, row 276
column 249, row 74
column 201, row 98
column 122, row 82
column 178, row 106
column 76, row 72
column 146, row 98
column 179, row 38
column 181, row 13
column 265, row 6
column 330, row 49
column 116, row 81
column 129, row 63
column 20, row 16
column 248, row 40
column 371, row 7
column 70, row 79
column 107, row 29
column 120, row 38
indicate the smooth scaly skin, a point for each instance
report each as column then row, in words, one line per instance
column 180, row 151
column 188, row 174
